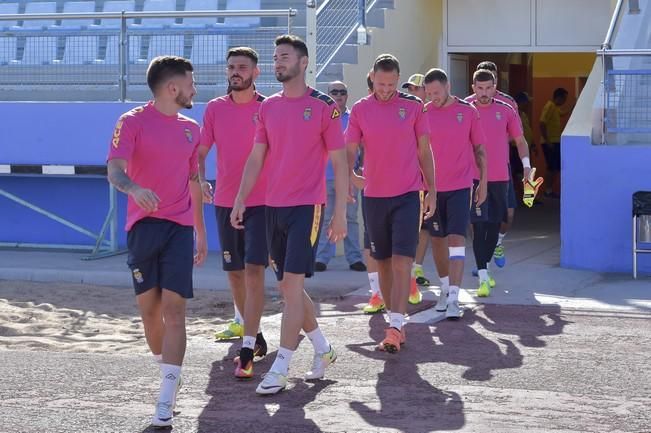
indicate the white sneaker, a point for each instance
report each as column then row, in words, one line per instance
column 442, row 303
column 453, row 310
column 272, row 383
column 163, row 416
column 319, row 364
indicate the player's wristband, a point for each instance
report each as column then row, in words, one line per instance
column 525, row 162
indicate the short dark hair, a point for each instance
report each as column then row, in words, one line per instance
column 483, row 75
column 386, row 63
column 162, row 68
column 436, row 74
column 369, row 82
column 244, row 52
column 294, row 41
column 560, row 93
column 487, row 65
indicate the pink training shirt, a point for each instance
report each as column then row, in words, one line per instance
column 499, row 122
column 455, row 131
column 299, row 133
column 500, row 96
column 231, row 127
column 161, row 155
column 390, row 131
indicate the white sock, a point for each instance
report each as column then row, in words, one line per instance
column 415, row 267
column 248, row 342
column 445, row 283
column 374, row 281
column 170, row 375
column 483, row 275
column 238, row 316
column 500, row 238
column 453, row 294
column 158, row 357
column 319, row 341
column 283, row 358
column 396, row 320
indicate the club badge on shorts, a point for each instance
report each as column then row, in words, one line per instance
column 307, row 113
column 227, row 257
column 137, row 275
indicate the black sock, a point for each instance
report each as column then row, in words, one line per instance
column 478, row 244
column 246, row 356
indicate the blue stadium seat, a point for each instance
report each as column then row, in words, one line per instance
column 39, row 50
column 200, row 5
column 113, row 53
column 78, row 7
column 242, row 5
column 8, row 8
column 117, row 6
column 209, row 49
column 80, row 50
column 39, row 8
column 159, row 5
column 7, row 49
column 172, row 45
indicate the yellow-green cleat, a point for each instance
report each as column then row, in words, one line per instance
column 491, row 282
column 234, row 330
column 484, row 289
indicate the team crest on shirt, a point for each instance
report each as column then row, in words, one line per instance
column 227, row 257
column 307, row 113
column 459, row 117
column 255, row 118
column 137, row 275
column 402, row 112
column 188, row 134
column 498, row 115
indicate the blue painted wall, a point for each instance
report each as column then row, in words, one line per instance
column 596, row 206
column 65, row 133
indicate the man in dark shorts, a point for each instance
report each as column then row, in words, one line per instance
column 500, row 123
column 395, row 133
column 153, row 159
column 457, row 144
column 229, row 123
column 298, row 129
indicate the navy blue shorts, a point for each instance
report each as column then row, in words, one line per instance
column 240, row 247
column 367, row 240
column 494, row 209
column 293, row 237
column 512, row 202
column 452, row 213
column 393, row 224
column 161, row 254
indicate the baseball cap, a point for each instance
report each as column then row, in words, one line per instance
column 417, row 80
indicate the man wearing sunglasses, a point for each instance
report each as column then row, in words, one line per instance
column 326, row 250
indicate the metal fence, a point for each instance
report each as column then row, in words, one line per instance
column 627, row 93
column 336, row 22
column 106, row 57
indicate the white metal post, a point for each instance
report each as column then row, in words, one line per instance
column 310, row 41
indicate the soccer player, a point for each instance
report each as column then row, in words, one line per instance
column 298, row 129
column 457, row 143
column 415, row 85
column 153, row 159
column 499, row 255
column 229, row 123
column 499, row 122
column 395, row 133
column 375, row 303
column 338, row 91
